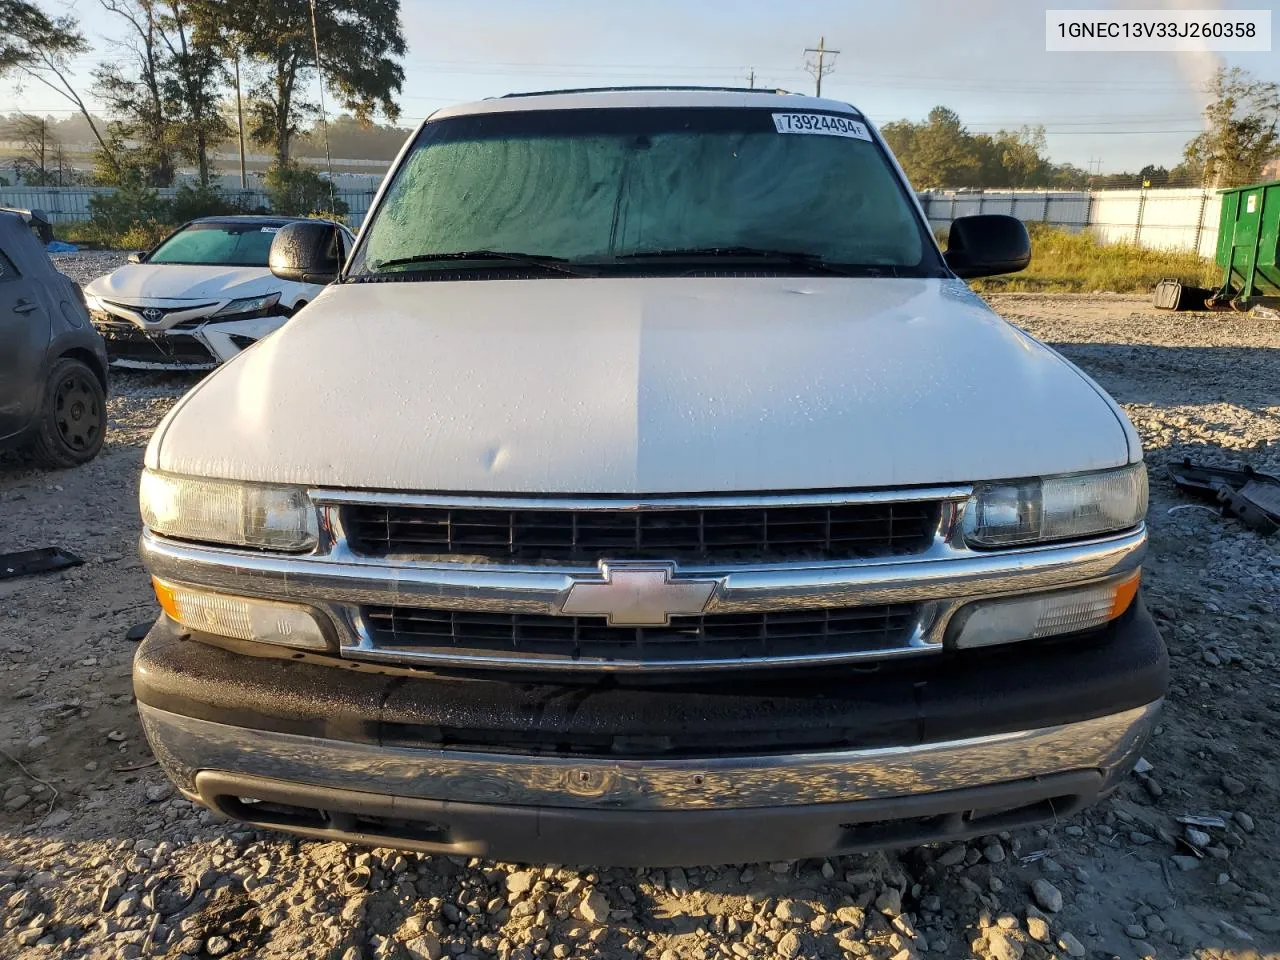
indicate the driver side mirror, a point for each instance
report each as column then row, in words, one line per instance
column 134, row 258
column 306, row 252
column 987, row 244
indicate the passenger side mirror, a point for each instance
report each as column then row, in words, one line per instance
column 306, row 252
column 134, row 258
column 988, row 244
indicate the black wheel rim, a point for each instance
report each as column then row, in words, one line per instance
column 77, row 411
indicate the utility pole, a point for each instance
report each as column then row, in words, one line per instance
column 324, row 122
column 751, row 80
column 820, row 69
column 244, row 180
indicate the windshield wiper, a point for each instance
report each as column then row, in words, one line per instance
column 796, row 258
column 559, row 264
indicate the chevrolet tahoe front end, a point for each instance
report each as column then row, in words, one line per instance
column 662, row 553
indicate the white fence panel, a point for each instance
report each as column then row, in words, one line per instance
column 71, row 204
column 1172, row 219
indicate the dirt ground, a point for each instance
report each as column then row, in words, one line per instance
column 99, row 859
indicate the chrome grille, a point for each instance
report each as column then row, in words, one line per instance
column 840, row 531
column 701, row 640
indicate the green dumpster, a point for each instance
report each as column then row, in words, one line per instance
column 1248, row 238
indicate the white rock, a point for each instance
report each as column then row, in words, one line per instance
column 1047, row 895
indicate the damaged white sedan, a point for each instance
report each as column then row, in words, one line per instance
column 201, row 296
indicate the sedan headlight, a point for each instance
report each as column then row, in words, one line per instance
column 248, row 307
column 1056, row 508
column 226, row 511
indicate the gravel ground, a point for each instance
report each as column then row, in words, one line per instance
column 98, row 858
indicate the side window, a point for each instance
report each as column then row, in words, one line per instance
column 7, row 269
column 344, row 243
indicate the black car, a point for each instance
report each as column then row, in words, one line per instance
column 53, row 364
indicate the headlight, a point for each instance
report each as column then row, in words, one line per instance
column 249, row 307
column 225, row 511
column 1056, row 508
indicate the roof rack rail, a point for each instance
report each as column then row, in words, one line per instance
column 662, row 87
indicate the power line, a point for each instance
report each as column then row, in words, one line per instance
column 819, row 70
column 324, row 122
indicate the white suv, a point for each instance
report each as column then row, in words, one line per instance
column 648, row 488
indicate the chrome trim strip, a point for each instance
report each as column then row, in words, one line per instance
column 943, row 573
column 625, row 502
column 187, row 746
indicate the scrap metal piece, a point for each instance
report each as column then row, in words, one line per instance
column 1247, row 512
column 1251, row 497
column 1202, row 820
column 24, row 563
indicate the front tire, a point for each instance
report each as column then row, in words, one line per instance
column 73, row 417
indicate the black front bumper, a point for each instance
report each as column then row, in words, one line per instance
column 292, row 731
column 125, row 342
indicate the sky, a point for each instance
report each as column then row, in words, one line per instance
column 984, row 59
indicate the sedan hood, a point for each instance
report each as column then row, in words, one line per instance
column 643, row 386
column 139, row 282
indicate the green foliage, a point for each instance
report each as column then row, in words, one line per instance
column 163, row 94
column 941, row 152
column 126, row 207
column 294, row 189
column 361, row 42
column 137, row 218
column 1243, row 117
column 199, row 201
column 1063, row 262
column 29, row 39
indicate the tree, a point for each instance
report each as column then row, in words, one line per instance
column 945, row 154
column 39, row 47
column 32, row 163
column 297, row 190
column 1021, row 156
column 1153, row 176
column 133, row 91
column 27, row 34
column 360, row 42
column 193, row 84
column 1243, row 118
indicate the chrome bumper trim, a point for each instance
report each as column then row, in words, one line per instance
column 187, row 746
column 339, row 585
column 957, row 574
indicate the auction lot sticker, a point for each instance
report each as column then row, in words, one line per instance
column 824, row 124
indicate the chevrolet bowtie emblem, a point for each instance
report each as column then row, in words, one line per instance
column 638, row 595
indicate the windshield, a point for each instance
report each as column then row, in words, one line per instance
column 218, row 244
column 615, row 186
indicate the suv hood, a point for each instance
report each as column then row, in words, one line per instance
column 144, row 281
column 644, row 386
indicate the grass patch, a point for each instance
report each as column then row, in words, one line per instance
column 90, row 235
column 1063, row 262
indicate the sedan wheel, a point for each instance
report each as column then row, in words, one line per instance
column 74, row 419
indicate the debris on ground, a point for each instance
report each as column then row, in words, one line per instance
column 26, row 563
column 1252, row 497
